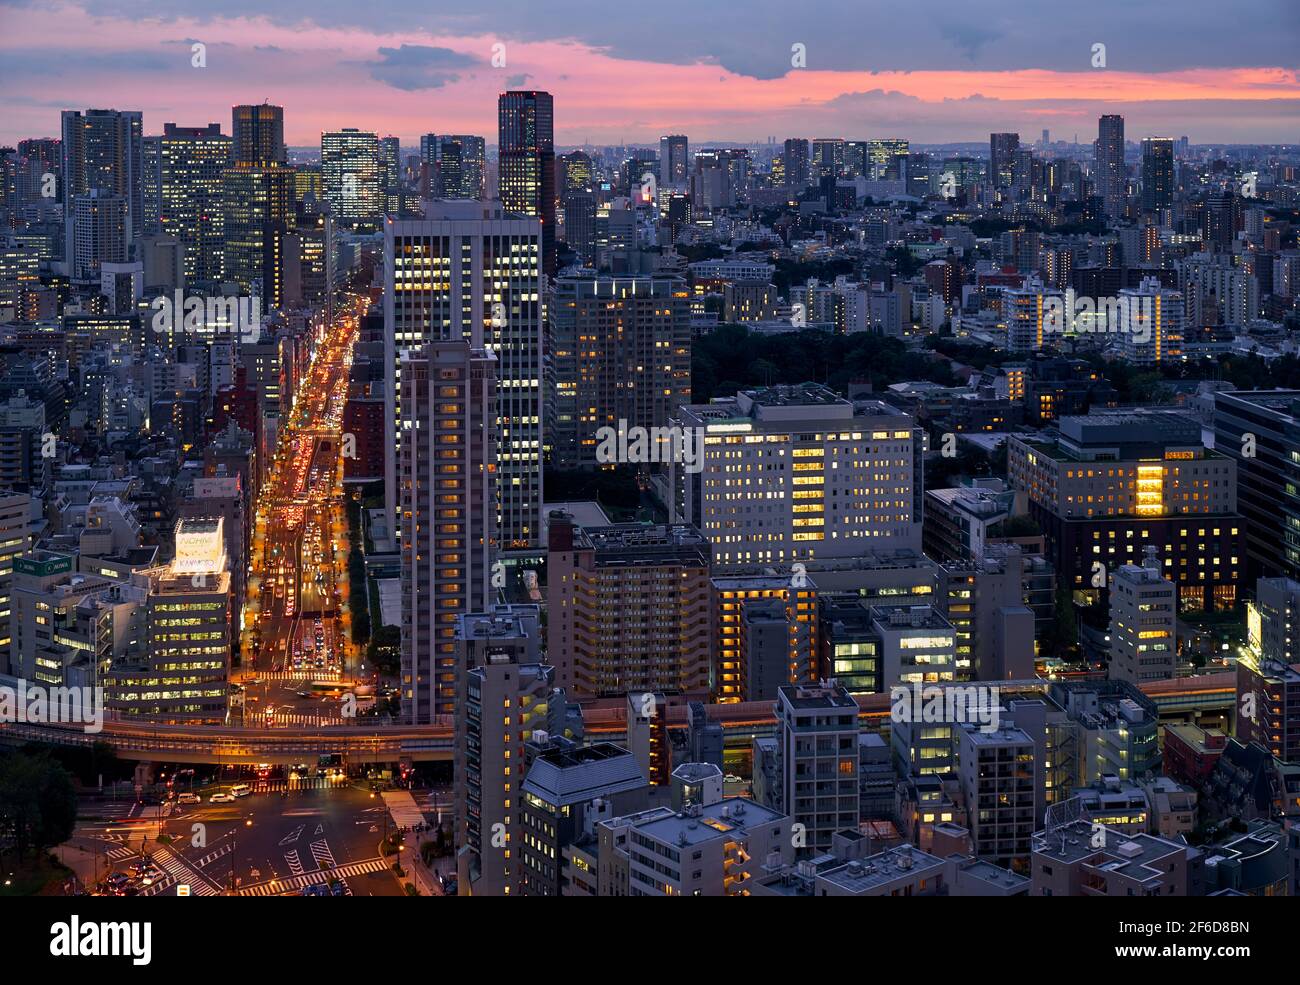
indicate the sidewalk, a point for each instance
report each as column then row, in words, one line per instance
column 407, row 814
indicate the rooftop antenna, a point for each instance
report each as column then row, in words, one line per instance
column 1060, row 816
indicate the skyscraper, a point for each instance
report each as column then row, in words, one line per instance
column 1157, row 173
column 455, row 163
column 1002, row 152
column 258, row 134
column 795, row 160
column 1109, row 175
column 103, row 151
column 472, row 271
column 619, row 353
column 447, row 485
column 191, row 162
column 526, row 161
column 674, row 160
column 350, row 175
column 390, row 175
column 256, row 212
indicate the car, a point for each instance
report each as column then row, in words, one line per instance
column 221, row 798
column 189, row 798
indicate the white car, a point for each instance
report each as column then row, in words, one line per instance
column 221, row 798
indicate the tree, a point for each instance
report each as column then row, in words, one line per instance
column 38, row 805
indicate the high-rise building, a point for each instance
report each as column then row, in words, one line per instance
column 1002, row 153
column 15, row 541
column 99, row 232
column 446, row 482
column 258, row 135
column 103, row 151
column 257, row 212
column 619, row 356
column 792, row 473
column 390, row 175
column 576, row 173
column 1268, row 677
column 1106, row 484
column 1110, row 176
column 1157, row 173
column 455, row 165
column 1143, row 622
column 817, row 750
column 628, row 609
column 1151, row 324
column 350, row 175
column 472, row 271
column 674, row 160
column 1260, row 431
column 191, row 163
column 526, row 162
column 887, row 159
column 796, row 164
column 507, row 690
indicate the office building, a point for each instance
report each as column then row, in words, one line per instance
column 471, row 271
column 1081, row 858
column 257, row 214
column 191, row 162
column 792, row 473
column 257, row 134
column 351, row 179
column 1105, row 485
column 564, row 783
column 1259, row 430
column 526, row 162
column 795, row 160
column 456, row 163
column 1151, row 324
column 674, row 160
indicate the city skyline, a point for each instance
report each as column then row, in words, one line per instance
column 730, row 80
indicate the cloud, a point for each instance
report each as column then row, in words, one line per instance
column 412, row 67
column 517, row 81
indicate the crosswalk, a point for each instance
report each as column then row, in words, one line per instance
column 309, row 783
column 320, row 851
column 178, row 873
column 294, row 862
column 278, row 887
column 212, row 856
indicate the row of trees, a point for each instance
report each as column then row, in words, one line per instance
column 732, row 358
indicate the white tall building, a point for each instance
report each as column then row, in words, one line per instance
column 471, row 271
column 1033, row 314
column 792, row 473
column 1150, row 324
column 1143, row 623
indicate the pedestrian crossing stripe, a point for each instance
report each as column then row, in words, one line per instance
column 276, row 887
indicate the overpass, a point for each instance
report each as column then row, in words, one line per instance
column 1205, row 697
column 219, row 745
